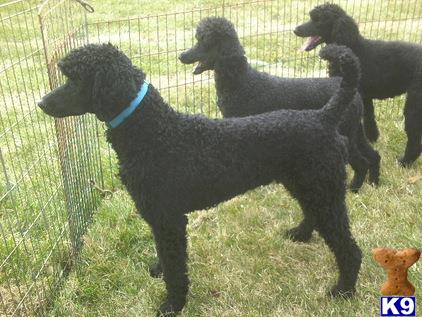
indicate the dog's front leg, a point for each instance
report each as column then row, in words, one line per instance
column 171, row 241
column 412, row 126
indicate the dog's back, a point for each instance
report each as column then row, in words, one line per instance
column 388, row 67
column 254, row 92
column 257, row 92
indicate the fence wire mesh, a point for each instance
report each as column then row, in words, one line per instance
column 47, row 166
column 50, row 170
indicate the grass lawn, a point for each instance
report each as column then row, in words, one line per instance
column 240, row 262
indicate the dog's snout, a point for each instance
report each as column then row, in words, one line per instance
column 182, row 57
column 296, row 31
column 188, row 57
column 41, row 104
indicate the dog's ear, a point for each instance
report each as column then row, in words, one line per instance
column 112, row 91
column 345, row 31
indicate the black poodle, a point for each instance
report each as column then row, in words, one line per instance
column 172, row 163
column 389, row 69
column 244, row 91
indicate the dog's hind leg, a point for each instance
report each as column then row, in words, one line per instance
column 371, row 129
column 413, row 125
column 323, row 199
column 171, row 244
column 333, row 226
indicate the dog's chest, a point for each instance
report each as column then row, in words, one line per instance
column 133, row 175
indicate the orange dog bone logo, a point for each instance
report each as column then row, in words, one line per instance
column 396, row 263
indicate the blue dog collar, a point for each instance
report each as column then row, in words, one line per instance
column 118, row 120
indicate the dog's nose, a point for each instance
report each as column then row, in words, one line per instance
column 41, row 104
column 186, row 57
column 181, row 55
column 295, row 31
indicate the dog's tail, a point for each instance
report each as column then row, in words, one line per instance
column 349, row 67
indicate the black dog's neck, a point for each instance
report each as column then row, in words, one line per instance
column 229, row 69
column 144, row 124
column 349, row 36
column 355, row 45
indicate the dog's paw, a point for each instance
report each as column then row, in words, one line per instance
column 340, row 292
column 168, row 309
column 156, row 270
column 165, row 311
column 298, row 234
column 374, row 180
column 354, row 189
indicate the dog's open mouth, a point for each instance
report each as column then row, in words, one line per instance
column 199, row 68
column 311, row 43
column 202, row 66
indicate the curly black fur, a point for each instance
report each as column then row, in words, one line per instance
column 172, row 163
column 244, row 91
column 389, row 69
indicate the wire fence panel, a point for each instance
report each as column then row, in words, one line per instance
column 47, row 167
column 51, row 170
column 265, row 28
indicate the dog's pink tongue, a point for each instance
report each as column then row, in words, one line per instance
column 310, row 43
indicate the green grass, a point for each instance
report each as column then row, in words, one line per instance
column 240, row 265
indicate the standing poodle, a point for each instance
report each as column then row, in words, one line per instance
column 389, row 69
column 172, row 163
column 244, row 91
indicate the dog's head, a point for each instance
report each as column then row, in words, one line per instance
column 216, row 38
column 100, row 80
column 328, row 24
